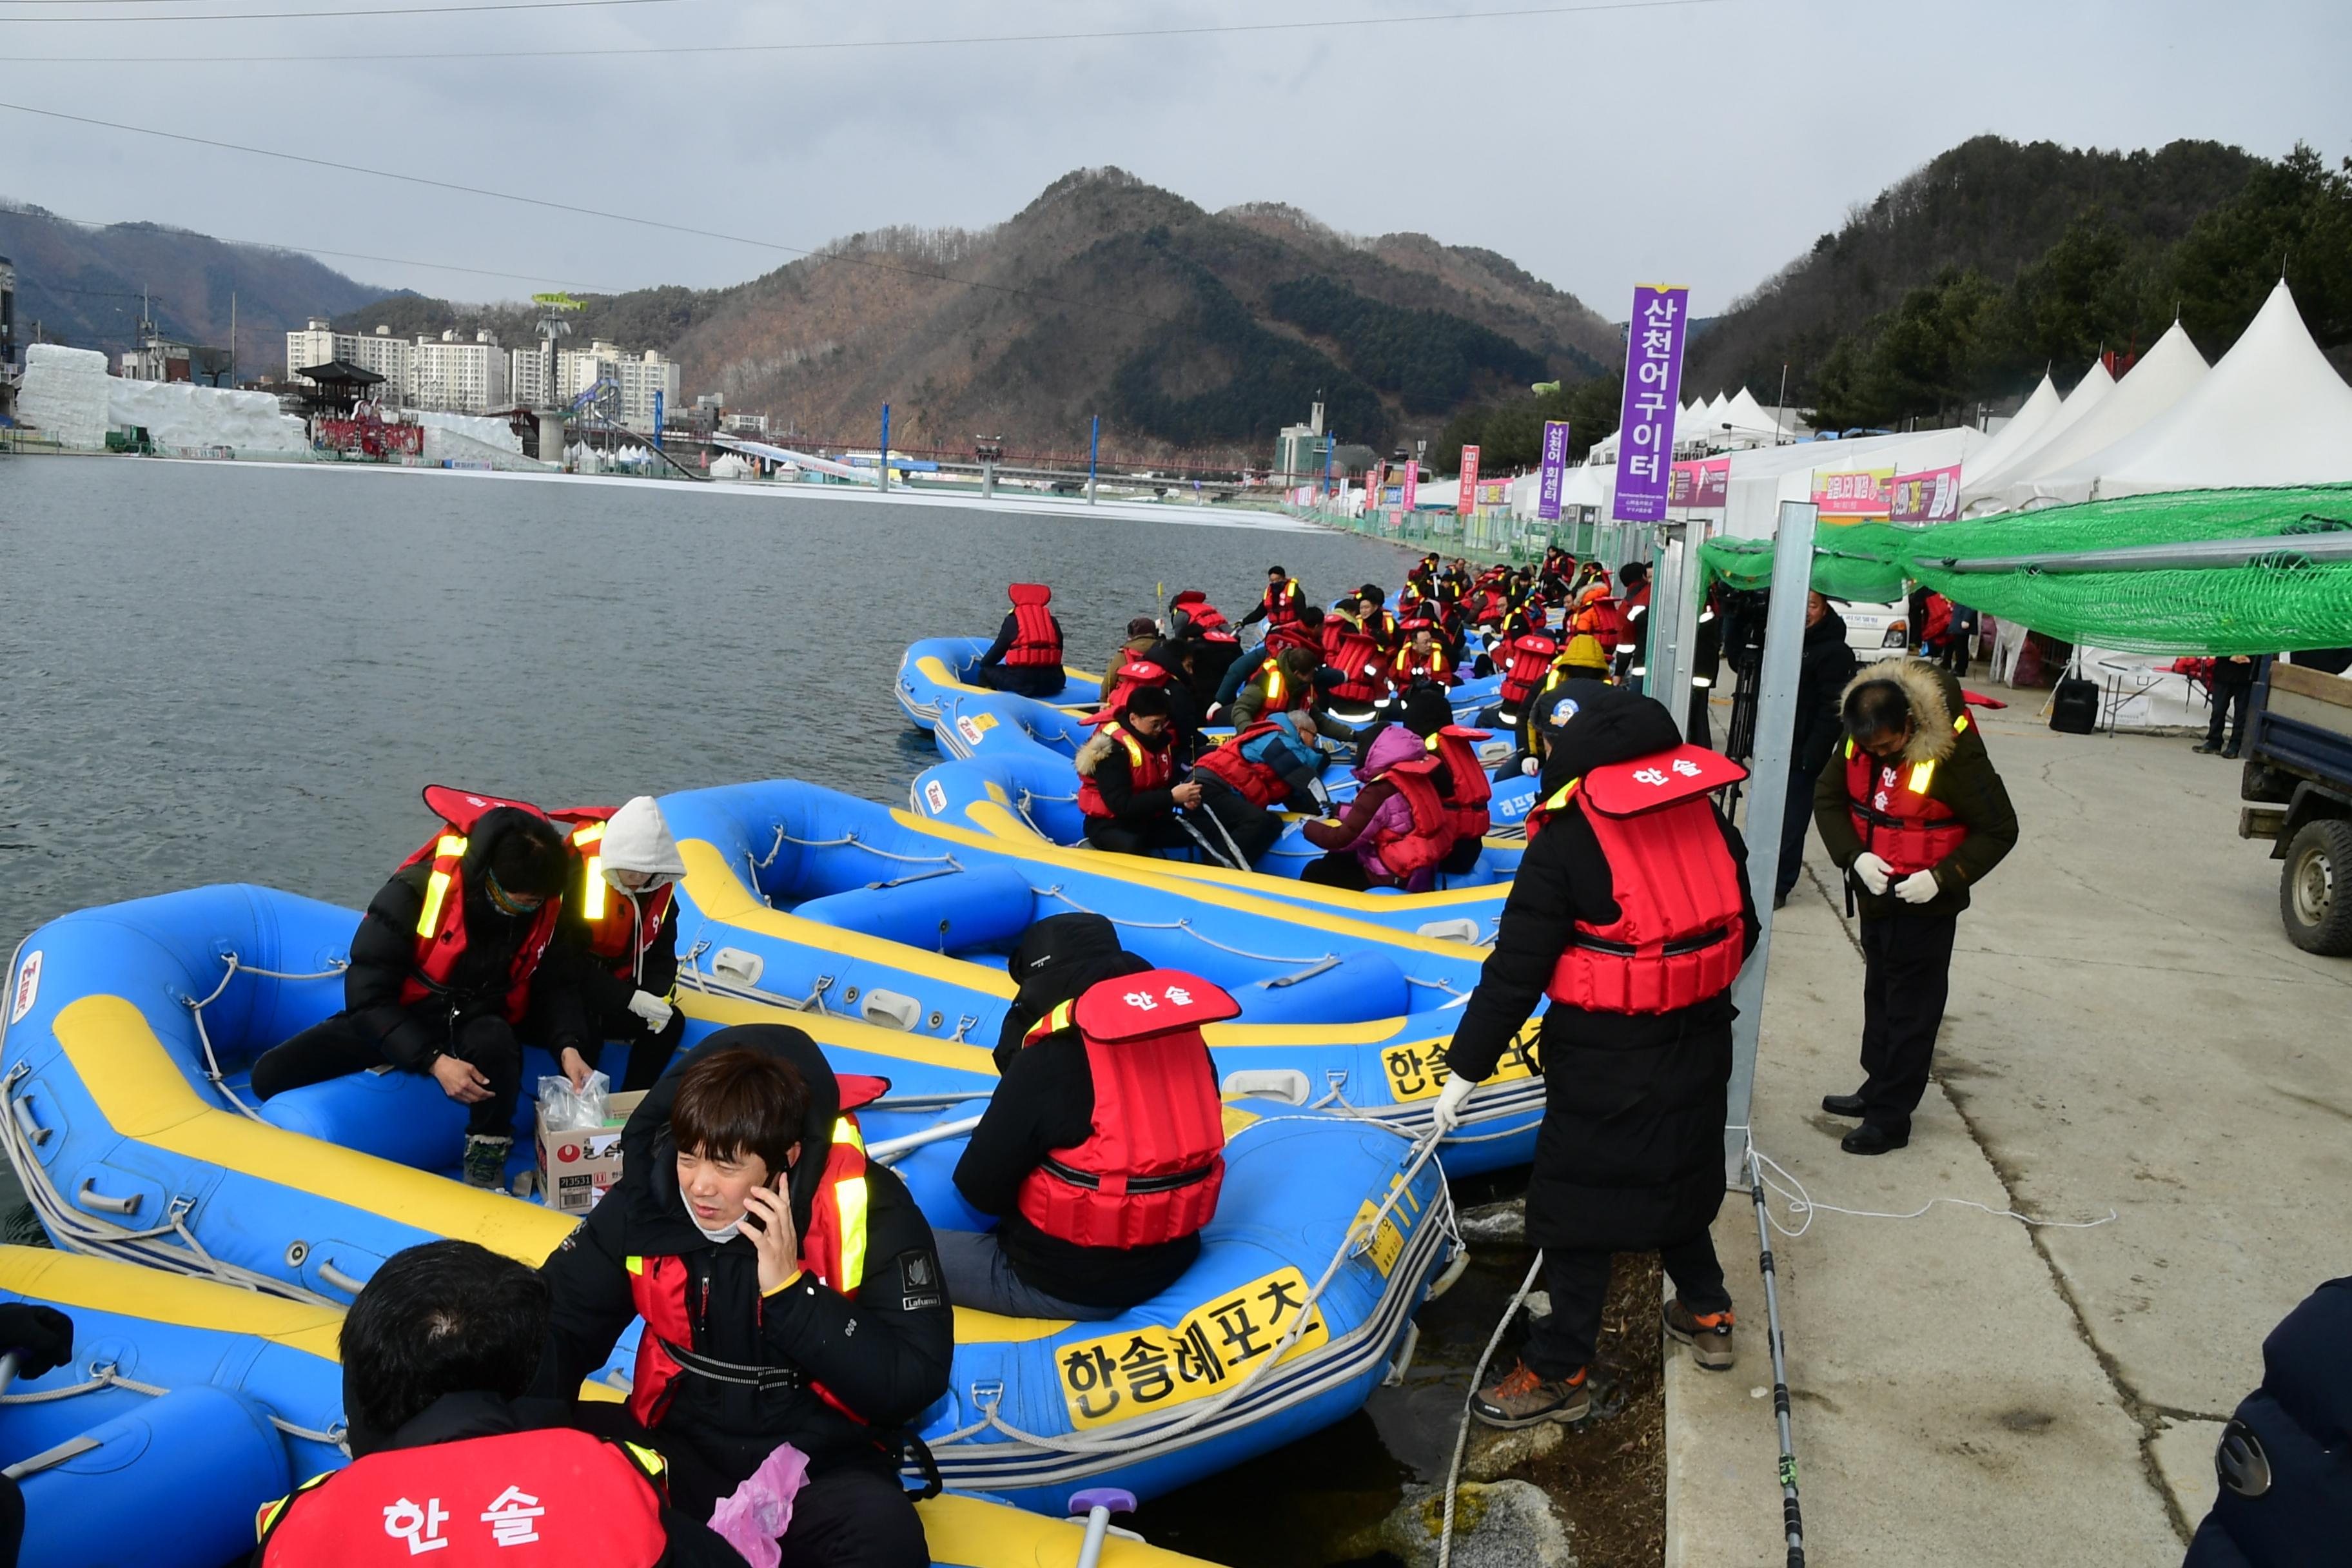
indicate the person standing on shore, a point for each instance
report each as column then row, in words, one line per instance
column 2233, row 691
column 1631, row 913
column 1915, row 817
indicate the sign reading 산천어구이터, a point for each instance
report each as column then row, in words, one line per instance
column 1653, row 378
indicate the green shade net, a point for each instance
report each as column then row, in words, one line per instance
column 2281, row 600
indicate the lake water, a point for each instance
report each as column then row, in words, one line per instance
column 223, row 672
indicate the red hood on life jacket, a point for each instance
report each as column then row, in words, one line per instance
column 1029, row 594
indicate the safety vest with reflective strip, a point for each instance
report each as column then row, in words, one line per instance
column 833, row 1253
column 1895, row 817
column 1146, row 769
column 440, row 935
column 1037, row 639
column 1678, row 939
column 1153, row 1161
column 552, row 1495
column 1281, row 696
column 620, row 926
column 1282, row 602
column 1412, row 665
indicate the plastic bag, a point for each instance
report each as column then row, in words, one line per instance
column 562, row 1109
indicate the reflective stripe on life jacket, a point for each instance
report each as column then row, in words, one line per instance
column 1411, row 665
column 1150, row 1168
column 620, row 926
column 1257, row 784
column 1677, row 940
column 1457, row 748
column 1146, row 769
column 833, row 1253
column 440, row 933
column 553, row 1495
column 1282, row 602
column 1431, row 837
column 1895, row 816
column 1036, row 640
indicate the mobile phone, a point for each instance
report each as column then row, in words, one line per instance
column 752, row 1218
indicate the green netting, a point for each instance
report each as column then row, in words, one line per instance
column 2282, row 599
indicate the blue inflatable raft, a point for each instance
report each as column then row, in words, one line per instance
column 936, row 669
column 133, row 1029
column 190, row 1406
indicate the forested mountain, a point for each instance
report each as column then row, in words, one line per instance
column 1185, row 329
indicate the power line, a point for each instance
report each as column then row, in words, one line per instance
column 846, row 46
column 150, row 21
column 1004, row 288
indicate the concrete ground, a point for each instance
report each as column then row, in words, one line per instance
column 2129, row 1030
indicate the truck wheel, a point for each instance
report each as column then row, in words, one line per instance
column 2315, row 888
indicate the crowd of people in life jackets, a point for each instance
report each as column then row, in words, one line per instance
column 1360, row 677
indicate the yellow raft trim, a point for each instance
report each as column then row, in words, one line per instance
column 966, row 1532
column 140, row 1091
column 97, row 1285
column 993, row 817
column 1037, row 851
column 936, row 671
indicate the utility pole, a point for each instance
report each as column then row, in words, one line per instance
column 882, row 462
column 1094, row 451
column 232, row 337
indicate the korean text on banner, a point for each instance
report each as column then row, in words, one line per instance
column 1411, row 487
column 1468, row 498
column 1858, row 492
column 1932, row 495
column 1654, row 379
column 1700, row 486
column 1555, row 469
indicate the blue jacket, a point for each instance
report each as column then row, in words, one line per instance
column 2296, row 1433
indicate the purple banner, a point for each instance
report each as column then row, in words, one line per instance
column 1654, row 379
column 1555, row 469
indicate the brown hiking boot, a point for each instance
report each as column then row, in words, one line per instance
column 1525, row 1399
column 1709, row 1337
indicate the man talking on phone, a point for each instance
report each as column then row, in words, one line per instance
column 789, row 1291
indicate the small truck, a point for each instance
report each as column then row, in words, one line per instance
column 2298, row 776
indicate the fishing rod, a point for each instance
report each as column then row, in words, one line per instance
column 1793, row 1520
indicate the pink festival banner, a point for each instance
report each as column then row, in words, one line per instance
column 1654, row 379
column 1700, row 486
column 1857, row 493
column 1468, row 498
column 1412, row 484
column 1932, row 495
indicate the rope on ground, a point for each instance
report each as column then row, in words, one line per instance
column 1462, row 1433
column 204, row 1036
column 1803, row 1203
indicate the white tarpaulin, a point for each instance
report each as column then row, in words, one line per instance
column 64, row 395
column 2271, row 412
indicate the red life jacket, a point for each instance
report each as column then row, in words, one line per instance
column 1207, row 619
column 1294, row 635
column 1457, row 747
column 1282, row 694
column 1677, row 938
column 1282, row 603
column 1364, row 671
column 1257, row 784
column 1151, row 1167
column 1146, row 769
column 555, row 1497
column 1134, row 672
column 620, row 929
column 1531, row 655
column 1331, row 633
column 1381, row 626
column 1036, row 640
column 1431, row 837
column 1435, row 664
column 441, row 926
column 833, row 1253
column 1895, row 817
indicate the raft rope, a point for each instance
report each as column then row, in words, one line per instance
column 846, row 840
column 1186, row 926
column 103, row 1376
column 1462, row 1433
column 196, row 1009
column 1359, row 1236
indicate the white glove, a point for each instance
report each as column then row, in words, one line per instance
column 1530, row 767
column 652, row 1009
column 1872, row 872
column 1448, row 1114
column 1917, row 888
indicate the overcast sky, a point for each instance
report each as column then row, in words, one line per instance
column 1703, row 143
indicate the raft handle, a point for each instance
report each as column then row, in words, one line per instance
column 34, row 1131
column 127, row 1203
column 1403, row 1362
column 1309, row 972
column 330, row 1275
column 49, row 1458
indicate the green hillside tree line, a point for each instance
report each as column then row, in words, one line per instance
column 1431, row 360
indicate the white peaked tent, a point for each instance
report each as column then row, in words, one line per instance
column 2166, row 374
column 2272, row 412
column 1747, row 416
column 2024, row 429
column 1980, row 482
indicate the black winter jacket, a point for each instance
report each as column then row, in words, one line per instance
column 1107, row 762
column 1825, row 664
column 886, row 1353
column 579, row 1001
column 1008, row 632
column 383, row 956
column 1630, row 1155
column 2300, row 1423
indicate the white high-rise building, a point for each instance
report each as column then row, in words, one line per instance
column 454, row 375
column 379, row 350
column 636, row 378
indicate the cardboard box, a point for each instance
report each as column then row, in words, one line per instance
column 576, row 1167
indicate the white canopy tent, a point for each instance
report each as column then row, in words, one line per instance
column 2024, row 428
column 1980, row 482
column 2272, row 411
column 1762, row 479
column 2166, row 374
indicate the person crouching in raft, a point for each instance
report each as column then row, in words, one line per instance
column 1026, row 656
column 1632, row 913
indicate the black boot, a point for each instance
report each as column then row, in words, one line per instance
column 1869, row 1139
column 1841, row 1104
